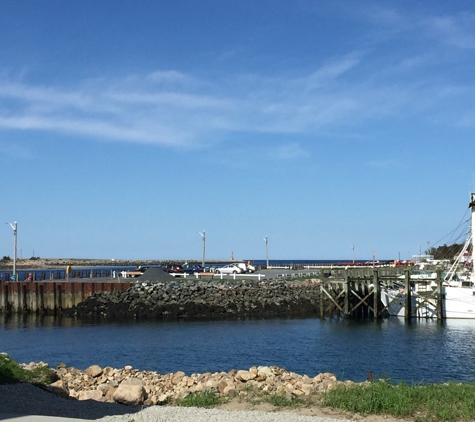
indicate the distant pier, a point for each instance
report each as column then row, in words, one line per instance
column 344, row 292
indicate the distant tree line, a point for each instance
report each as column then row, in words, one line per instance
column 444, row 251
column 33, row 258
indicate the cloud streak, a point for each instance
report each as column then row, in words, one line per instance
column 171, row 108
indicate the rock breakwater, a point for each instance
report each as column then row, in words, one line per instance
column 197, row 299
column 130, row 386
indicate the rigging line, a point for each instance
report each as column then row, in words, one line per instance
column 448, row 251
column 452, row 232
column 463, row 235
column 463, row 224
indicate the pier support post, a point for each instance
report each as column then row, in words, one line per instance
column 376, row 296
column 346, row 288
column 407, row 296
column 440, row 296
column 322, row 303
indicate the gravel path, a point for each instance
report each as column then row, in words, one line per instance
column 190, row 414
column 26, row 399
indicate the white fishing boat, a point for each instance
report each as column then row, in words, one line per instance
column 458, row 287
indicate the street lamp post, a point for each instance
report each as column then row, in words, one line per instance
column 203, row 236
column 266, row 239
column 14, row 227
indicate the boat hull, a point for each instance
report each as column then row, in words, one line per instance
column 458, row 302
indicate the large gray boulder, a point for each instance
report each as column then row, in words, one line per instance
column 130, row 392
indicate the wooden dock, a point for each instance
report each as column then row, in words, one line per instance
column 357, row 293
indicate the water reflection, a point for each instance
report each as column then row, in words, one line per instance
column 424, row 350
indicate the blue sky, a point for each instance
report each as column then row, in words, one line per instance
column 127, row 127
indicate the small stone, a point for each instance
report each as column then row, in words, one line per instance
column 264, row 371
column 162, row 398
column 94, row 371
column 177, row 377
column 104, row 388
column 109, row 394
column 243, row 376
column 306, row 389
column 90, row 395
column 59, row 388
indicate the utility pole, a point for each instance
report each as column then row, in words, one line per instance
column 266, row 239
column 203, row 236
column 14, row 226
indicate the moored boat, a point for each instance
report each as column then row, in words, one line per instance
column 458, row 287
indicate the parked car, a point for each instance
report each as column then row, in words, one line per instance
column 246, row 268
column 228, row 269
column 173, row 268
column 211, row 268
column 192, row 269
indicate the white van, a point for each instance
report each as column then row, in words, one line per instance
column 246, row 268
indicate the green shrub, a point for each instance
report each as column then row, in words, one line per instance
column 11, row 372
column 200, row 399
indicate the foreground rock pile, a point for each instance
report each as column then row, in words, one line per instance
column 205, row 299
column 132, row 387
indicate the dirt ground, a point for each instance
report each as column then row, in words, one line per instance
column 307, row 410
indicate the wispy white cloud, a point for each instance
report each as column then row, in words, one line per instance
column 455, row 30
column 171, row 108
column 422, row 24
column 329, row 72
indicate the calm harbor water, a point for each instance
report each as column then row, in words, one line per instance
column 425, row 351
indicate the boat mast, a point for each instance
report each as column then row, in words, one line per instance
column 472, row 209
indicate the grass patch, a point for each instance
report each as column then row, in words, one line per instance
column 441, row 402
column 281, row 400
column 11, row 372
column 200, row 399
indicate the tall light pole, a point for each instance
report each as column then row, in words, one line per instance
column 14, row 227
column 203, row 236
column 353, row 247
column 266, row 239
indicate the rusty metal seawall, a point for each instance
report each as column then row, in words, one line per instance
column 50, row 297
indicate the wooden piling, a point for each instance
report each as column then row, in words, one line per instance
column 440, row 296
column 376, row 296
column 322, row 303
column 408, row 296
column 346, row 288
